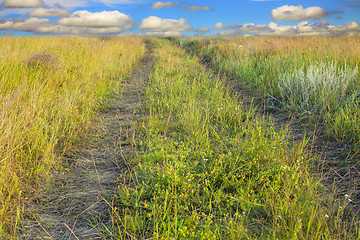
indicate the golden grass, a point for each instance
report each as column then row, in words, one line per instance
column 49, row 89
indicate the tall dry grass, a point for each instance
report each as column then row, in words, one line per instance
column 49, row 90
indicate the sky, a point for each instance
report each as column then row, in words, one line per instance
column 180, row 18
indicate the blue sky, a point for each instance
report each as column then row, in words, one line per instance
column 179, row 18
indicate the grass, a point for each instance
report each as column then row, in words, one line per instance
column 50, row 88
column 206, row 168
column 316, row 78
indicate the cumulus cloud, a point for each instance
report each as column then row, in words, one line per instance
column 98, row 19
column 254, row 28
column 198, row 8
column 202, row 30
column 20, row 24
column 304, row 28
column 228, row 33
column 156, row 24
column 287, row 12
column 45, row 26
column 159, row 4
column 68, row 3
column 277, row 30
column 58, row 11
column 348, row 27
column 22, row 3
column 154, row 34
column 58, row 29
column 218, row 25
column 115, row 2
column 86, row 3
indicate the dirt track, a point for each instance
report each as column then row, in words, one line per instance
column 76, row 204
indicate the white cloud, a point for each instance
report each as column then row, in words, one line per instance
column 218, row 25
column 159, row 4
column 86, row 3
column 27, row 25
column 44, row 26
column 22, row 3
column 198, row 8
column 321, row 28
column 68, row 3
column 50, row 12
column 106, row 30
column 348, row 27
column 115, row 2
column 15, row 11
column 280, row 30
column 254, row 28
column 306, row 27
column 156, row 24
column 98, row 19
column 57, row 29
column 287, row 12
column 153, row 34
column 202, row 30
column 228, row 33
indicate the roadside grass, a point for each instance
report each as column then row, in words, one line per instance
column 316, row 78
column 206, row 168
column 50, row 88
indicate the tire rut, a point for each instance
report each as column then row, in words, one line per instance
column 76, row 204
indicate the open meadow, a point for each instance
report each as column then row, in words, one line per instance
column 211, row 138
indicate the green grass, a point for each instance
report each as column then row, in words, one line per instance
column 205, row 168
column 50, row 89
column 316, row 78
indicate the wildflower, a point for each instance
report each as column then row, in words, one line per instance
column 349, row 200
column 346, row 195
column 326, row 216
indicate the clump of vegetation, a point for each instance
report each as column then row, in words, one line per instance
column 44, row 60
column 319, row 88
column 206, row 168
column 42, row 114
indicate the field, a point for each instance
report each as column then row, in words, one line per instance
column 209, row 138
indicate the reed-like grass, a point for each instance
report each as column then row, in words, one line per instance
column 319, row 88
column 205, row 168
column 49, row 90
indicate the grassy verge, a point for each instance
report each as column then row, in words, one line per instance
column 49, row 90
column 207, row 169
column 315, row 78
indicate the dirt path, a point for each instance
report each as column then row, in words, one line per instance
column 73, row 207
